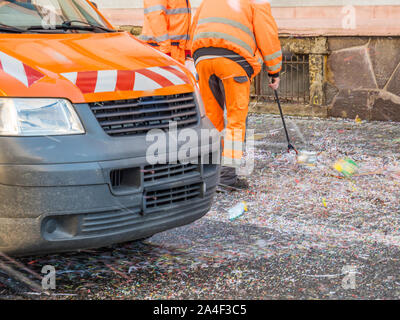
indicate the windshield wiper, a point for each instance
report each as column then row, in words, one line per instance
column 7, row 28
column 67, row 25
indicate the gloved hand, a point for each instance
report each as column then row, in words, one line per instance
column 274, row 85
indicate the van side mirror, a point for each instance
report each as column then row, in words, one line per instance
column 95, row 4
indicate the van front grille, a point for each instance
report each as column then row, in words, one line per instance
column 109, row 221
column 159, row 172
column 138, row 116
column 166, row 197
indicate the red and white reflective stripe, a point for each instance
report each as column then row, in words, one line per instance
column 127, row 80
column 106, row 81
column 178, row 72
column 172, row 77
column 71, row 76
column 19, row 70
column 144, row 83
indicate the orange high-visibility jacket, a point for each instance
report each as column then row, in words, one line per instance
column 245, row 27
column 166, row 23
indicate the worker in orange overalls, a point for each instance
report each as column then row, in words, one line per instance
column 231, row 40
column 167, row 26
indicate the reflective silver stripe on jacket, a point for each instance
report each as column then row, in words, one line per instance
column 155, row 8
column 273, row 56
column 178, row 11
column 275, row 67
column 156, row 39
column 167, row 11
column 181, row 37
column 205, row 58
column 228, row 37
column 228, row 22
column 164, row 38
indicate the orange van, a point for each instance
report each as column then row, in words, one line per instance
column 77, row 101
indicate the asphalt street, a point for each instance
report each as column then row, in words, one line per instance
column 309, row 233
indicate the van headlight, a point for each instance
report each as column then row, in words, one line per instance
column 38, row 117
column 200, row 103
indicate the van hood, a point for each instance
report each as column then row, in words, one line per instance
column 87, row 67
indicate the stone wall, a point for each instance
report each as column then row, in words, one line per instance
column 349, row 77
column 363, row 78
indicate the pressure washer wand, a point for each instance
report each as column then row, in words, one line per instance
column 290, row 146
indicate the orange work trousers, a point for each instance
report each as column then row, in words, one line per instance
column 178, row 54
column 225, row 84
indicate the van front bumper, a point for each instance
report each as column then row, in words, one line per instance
column 53, row 208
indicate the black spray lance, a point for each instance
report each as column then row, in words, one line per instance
column 290, row 146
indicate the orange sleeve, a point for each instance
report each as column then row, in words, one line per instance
column 266, row 34
column 193, row 26
column 155, row 26
column 188, row 45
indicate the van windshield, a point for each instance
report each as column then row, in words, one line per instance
column 50, row 16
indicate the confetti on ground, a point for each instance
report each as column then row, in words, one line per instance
column 304, row 225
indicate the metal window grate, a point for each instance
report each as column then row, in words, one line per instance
column 294, row 86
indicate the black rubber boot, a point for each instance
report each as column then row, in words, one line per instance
column 241, row 183
column 229, row 180
column 228, row 176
